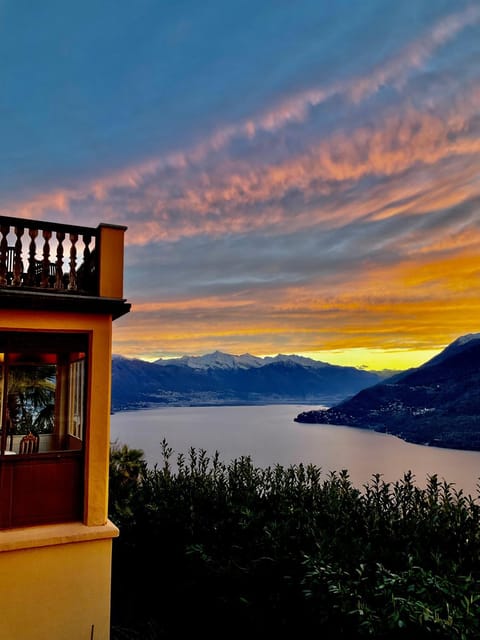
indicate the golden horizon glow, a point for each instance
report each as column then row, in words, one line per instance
column 368, row 359
column 375, row 359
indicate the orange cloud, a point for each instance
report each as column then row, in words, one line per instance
column 192, row 305
column 414, row 326
column 411, row 307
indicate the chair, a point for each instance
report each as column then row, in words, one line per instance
column 10, row 430
column 10, row 265
column 29, row 444
column 51, row 275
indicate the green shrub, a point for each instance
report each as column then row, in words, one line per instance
column 231, row 549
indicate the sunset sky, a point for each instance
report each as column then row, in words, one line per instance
column 296, row 177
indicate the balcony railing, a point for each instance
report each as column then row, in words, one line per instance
column 48, row 256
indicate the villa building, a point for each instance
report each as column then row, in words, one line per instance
column 61, row 286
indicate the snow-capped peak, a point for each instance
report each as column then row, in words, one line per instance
column 215, row 360
column 292, row 358
column 220, row 360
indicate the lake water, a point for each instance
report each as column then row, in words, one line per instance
column 269, row 435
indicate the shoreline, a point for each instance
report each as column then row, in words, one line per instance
column 379, row 429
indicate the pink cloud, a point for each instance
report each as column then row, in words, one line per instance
column 243, row 189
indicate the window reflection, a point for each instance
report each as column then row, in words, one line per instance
column 42, row 395
column 31, row 399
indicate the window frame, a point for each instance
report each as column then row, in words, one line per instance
column 47, row 486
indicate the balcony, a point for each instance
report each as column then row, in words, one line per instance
column 47, row 265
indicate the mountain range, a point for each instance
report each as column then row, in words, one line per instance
column 220, row 360
column 436, row 404
column 221, row 378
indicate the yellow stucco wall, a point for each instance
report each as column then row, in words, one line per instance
column 55, row 580
column 110, row 282
column 60, row 591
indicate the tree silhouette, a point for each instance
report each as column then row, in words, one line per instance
column 31, row 398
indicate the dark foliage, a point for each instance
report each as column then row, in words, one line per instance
column 231, row 550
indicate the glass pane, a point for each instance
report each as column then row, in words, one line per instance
column 76, row 403
column 30, row 406
column 31, row 398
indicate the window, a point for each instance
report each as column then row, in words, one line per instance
column 42, row 428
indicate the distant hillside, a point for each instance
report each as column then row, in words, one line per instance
column 437, row 403
column 220, row 378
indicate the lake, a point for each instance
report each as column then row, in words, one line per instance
column 269, row 435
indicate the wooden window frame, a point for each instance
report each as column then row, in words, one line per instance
column 46, row 487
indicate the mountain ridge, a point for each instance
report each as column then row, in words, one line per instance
column 222, row 360
column 437, row 403
column 220, row 378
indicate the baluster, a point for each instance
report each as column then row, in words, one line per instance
column 72, row 282
column 93, row 269
column 85, row 269
column 87, row 238
column 32, row 251
column 4, row 229
column 59, row 263
column 46, row 259
column 17, row 258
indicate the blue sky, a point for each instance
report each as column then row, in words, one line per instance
column 295, row 177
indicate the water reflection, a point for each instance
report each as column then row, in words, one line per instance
column 270, row 436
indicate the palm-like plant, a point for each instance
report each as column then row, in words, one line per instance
column 31, row 398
